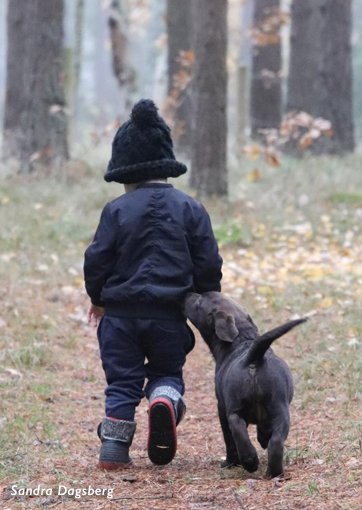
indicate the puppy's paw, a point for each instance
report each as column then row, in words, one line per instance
column 275, row 473
column 251, row 464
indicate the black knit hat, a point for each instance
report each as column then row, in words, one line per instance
column 142, row 148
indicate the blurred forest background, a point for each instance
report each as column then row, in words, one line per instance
column 254, row 78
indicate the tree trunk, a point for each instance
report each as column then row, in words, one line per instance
column 35, row 124
column 265, row 93
column 73, row 53
column 244, row 67
column 106, row 103
column 179, row 31
column 208, row 151
column 320, row 70
column 77, row 53
column 3, row 9
column 119, row 41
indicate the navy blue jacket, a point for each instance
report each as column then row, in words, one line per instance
column 152, row 246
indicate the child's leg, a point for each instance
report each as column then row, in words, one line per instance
column 123, row 364
column 166, row 346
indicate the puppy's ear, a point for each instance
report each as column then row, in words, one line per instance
column 225, row 327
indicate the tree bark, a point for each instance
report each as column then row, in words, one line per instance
column 122, row 70
column 265, row 93
column 107, row 93
column 244, row 68
column 77, row 53
column 73, row 53
column 320, row 71
column 179, row 34
column 208, row 151
column 35, row 123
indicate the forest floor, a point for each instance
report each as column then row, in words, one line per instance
column 297, row 254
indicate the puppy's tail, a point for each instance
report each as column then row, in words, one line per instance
column 259, row 347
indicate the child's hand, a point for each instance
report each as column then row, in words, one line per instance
column 95, row 313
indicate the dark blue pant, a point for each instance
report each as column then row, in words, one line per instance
column 133, row 350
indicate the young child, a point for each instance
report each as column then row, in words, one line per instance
column 153, row 245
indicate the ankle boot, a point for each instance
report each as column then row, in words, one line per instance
column 166, row 410
column 116, row 436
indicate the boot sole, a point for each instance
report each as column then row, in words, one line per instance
column 162, row 438
column 113, row 466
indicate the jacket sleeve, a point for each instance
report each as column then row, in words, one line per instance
column 205, row 254
column 99, row 257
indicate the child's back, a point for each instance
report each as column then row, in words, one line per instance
column 160, row 246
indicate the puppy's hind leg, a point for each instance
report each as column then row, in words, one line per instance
column 231, row 452
column 276, row 445
column 248, row 457
column 275, row 456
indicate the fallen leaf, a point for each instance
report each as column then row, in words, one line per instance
column 314, row 273
column 272, row 158
column 43, row 268
column 252, row 151
column 353, row 342
column 14, row 373
column 254, row 176
column 305, row 142
column 326, row 302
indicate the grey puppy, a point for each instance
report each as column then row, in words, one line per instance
column 253, row 385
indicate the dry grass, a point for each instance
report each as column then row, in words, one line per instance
column 281, row 259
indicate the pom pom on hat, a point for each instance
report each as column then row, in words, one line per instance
column 142, row 148
column 145, row 114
